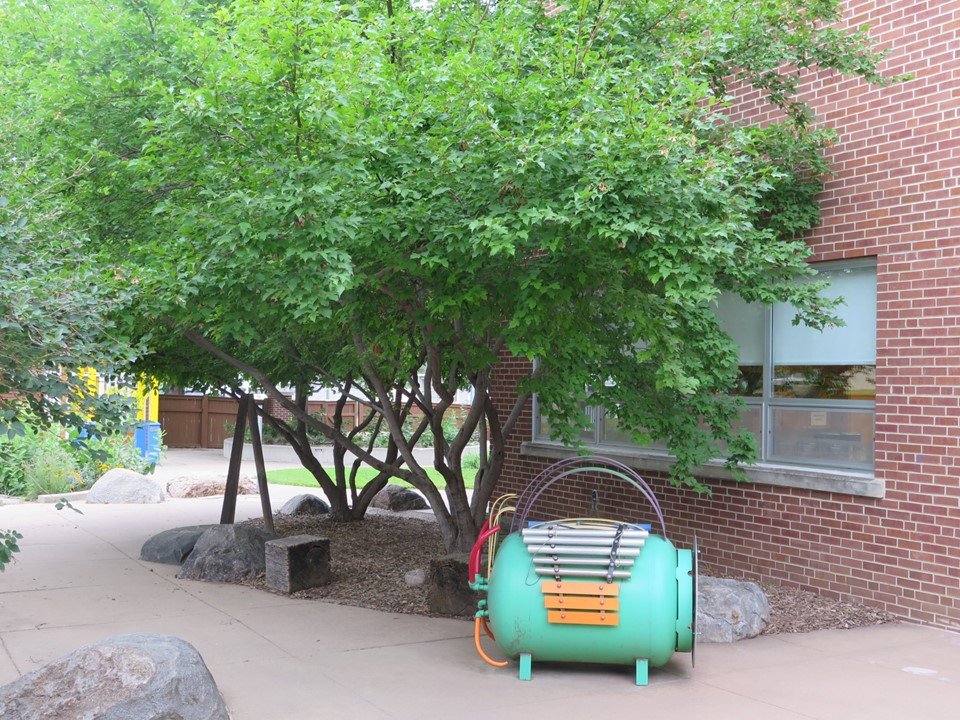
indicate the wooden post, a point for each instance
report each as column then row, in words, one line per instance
column 229, row 511
column 258, row 461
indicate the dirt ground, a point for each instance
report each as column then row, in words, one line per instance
column 370, row 559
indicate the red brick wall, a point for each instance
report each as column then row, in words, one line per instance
column 895, row 195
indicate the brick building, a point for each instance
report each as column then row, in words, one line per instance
column 858, row 496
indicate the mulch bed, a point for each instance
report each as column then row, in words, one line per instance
column 796, row 611
column 369, row 560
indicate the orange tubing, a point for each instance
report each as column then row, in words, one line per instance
column 476, row 641
column 487, row 630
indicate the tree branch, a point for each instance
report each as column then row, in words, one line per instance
column 331, row 433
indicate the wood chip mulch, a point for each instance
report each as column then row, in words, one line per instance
column 370, row 558
column 797, row 611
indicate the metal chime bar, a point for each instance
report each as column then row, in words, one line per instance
column 582, row 550
column 598, row 542
column 585, row 572
column 545, row 560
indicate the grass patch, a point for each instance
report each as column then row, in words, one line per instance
column 302, row 477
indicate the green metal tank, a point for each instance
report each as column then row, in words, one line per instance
column 587, row 590
column 653, row 620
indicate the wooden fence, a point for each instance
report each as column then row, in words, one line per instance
column 199, row 421
column 196, row 421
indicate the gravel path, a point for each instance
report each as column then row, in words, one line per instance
column 370, row 558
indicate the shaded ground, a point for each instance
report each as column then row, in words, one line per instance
column 370, row 559
column 79, row 579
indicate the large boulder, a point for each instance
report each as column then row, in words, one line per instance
column 172, row 546
column 448, row 589
column 124, row 486
column 397, row 498
column 305, row 504
column 195, row 487
column 730, row 610
column 128, row 677
column 227, row 553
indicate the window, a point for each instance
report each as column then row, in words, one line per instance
column 809, row 395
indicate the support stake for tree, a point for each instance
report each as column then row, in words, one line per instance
column 261, row 469
column 246, row 417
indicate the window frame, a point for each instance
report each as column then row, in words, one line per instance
column 824, row 474
column 769, row 402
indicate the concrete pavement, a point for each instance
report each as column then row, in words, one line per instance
column 203, row 463
column 79, row 579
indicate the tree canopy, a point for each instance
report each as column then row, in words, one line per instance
column 307, row 193
column 54, row 323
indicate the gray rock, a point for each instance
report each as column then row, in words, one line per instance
column 297, row 562
column 128, row 677
column 172, row 546
column 730, row 610
column 195, row 487
column 227, row 553
column 305, row 504
column 448, row 592
column 125, row 486
column 415, row 578
column 397, row 498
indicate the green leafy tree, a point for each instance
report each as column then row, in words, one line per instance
column 390, row 199
column 54, row 321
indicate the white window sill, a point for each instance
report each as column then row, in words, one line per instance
column 849, row 482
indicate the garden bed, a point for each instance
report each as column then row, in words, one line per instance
column 369, row 560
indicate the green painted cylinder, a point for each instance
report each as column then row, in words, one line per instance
column 654, row 610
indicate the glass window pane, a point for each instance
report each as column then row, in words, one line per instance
column 750, row 420
column 839, row 438
column 749, row 381
column 743, row 322
column 837, row 382
column 613, row 434
column 543, row 425
column 853, row 344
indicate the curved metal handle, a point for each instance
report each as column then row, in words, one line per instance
column 570, row 466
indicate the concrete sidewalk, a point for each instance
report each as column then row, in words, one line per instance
column 207, row 462
column 79, row 579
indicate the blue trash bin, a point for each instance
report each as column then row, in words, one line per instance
column 147, row 438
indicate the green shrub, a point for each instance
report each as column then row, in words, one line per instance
column 14, row 452
column 42, row 461
column 471, row 462
column 51, row 467
column 94, row 456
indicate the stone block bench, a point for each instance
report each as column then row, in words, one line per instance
column 297, row 563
